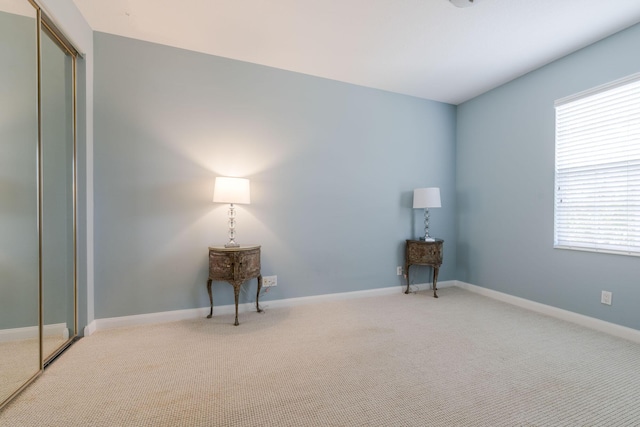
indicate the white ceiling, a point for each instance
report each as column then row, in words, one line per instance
column 424, row 48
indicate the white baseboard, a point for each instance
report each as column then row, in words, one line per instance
column 290, row 302
column 171, row 316
column 90, row 328
column 31, row 332
column 145, row 319
column 194, row 313
column 569, row 316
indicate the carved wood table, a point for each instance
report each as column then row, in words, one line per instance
column 420, row 252
column 235, row 266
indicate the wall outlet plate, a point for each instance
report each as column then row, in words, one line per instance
column 268, row 281
column 399, row 271
column 605, row 298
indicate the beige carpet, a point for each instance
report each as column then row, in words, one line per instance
column 399, row 360
column 23, row 356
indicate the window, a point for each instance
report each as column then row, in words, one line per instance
column 597, row 173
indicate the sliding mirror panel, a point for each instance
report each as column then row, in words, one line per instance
column 19, row 302
column 58, row 206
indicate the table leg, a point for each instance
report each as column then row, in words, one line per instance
column 210, row 298
column 236, row 292
column 406, row 270
column 258, row 294
column 435, row 281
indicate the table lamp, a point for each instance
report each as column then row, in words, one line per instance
column 425, row 198
column 232, row 190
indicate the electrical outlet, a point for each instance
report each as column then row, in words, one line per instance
column 399, row 271
column 606, row 297
column 268, row 281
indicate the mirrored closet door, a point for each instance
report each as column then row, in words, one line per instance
column 57, row 155
column 38, row 302
column 19, row 240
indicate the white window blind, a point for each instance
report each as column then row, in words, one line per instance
column 597, row 173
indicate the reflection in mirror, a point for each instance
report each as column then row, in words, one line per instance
column 19, row 322
column 58, row 289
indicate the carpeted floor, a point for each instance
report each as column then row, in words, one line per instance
column 399, row 360
column 24, row 358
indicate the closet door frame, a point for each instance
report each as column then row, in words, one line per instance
column 46, row 25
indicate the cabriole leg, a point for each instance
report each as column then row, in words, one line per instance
column 210, row 298
column 258, row 294
column 406, row 270
column 236, row 292
column 435, row 281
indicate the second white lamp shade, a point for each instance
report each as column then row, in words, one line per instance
column 426, row 198
column 232, row 190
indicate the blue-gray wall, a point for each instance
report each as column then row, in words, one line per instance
column 332, row 169
column 505, row 179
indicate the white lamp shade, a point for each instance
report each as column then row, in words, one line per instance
column 426, row 198
column 463, row 3
column 232, row 190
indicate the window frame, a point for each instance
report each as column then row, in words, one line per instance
column 561, row 221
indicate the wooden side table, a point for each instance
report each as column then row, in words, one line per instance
column 235, row 266
column 419, row 252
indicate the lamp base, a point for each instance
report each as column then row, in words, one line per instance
column 232, row 245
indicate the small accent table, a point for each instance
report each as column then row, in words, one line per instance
column 235, row 266
column 419, row 252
